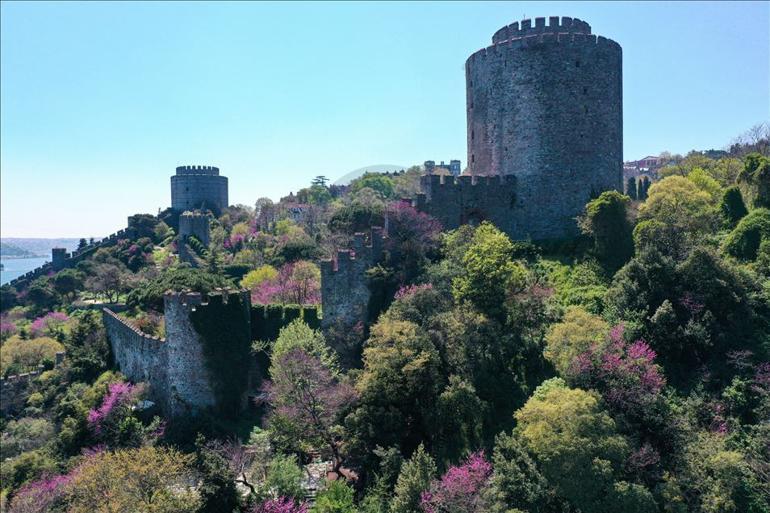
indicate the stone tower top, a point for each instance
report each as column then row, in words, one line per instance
column 197, row 170
column 566, row 25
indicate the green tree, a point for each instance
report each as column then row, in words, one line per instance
column 732, row 207
column 148, row 479
column 578, row 448
column 684, row 212
column 379, row 183
column 575, row 334
column 606, row 221
column 756, row 174
column 489, row 272
column 336, row 497
column 284, row 477
column 516, row 481
column 744, row 241
column 414, row 478
column 258, row 276
column 631, row 188
column 67, row 282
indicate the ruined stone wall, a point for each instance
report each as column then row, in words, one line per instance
column 344, row 292
column 454, row 201
column 195, row 187
column 544, row 103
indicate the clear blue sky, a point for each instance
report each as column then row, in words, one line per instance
column 100, row 101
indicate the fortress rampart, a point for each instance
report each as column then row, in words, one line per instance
column 174, row 367
column 544, row 103
column 455, row 201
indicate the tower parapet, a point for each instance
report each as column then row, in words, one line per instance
column 566, row 25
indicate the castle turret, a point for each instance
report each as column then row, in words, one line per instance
column 544, row 103
column 59, row 258
column 198, row 187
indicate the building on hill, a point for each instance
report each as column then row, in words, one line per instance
column 198, row 187
column 544, row 105
column 454, row 167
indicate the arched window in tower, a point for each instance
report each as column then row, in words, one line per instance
column 473, row 135
column 577, row 63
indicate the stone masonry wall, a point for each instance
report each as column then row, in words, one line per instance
column 454, row 201
column 140, row 357
column 189, row 382
column 344, row 292
column 194, row 187
column 544, row 103
column 174, row 367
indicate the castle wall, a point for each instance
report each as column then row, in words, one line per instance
column 455, row 201
column 544, row 103
column 189, row 383
column 195, row 187
column 344, row 292
column 140, row 357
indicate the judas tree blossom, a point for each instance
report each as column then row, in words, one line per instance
column 280, row 505
column 48, row 324
column 119, row 397
column 460, row 488
column 297, row 282
column 410, row 290
column 41, row 496
column 7, row 329
column 305, row 394
column 625, row 374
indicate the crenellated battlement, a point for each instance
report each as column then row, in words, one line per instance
column 193, row 300
column 346, row 259
column 554, row 25
column 197, row 170
column 546, row 38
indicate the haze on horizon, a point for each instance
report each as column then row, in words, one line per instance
column 99, row 102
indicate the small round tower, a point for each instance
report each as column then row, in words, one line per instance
column 198, row 187
column 544, row 103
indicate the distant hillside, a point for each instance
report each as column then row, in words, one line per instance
column 26, row 248
column 10, row 251
column 379, row 168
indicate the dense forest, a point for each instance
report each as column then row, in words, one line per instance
column 626, row 370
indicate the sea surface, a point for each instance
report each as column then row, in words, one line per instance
column 15, row 267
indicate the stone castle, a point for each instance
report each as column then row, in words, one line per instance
column 544, row 120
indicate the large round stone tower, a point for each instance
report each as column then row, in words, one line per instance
column 198, row 187
column 544, row 104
